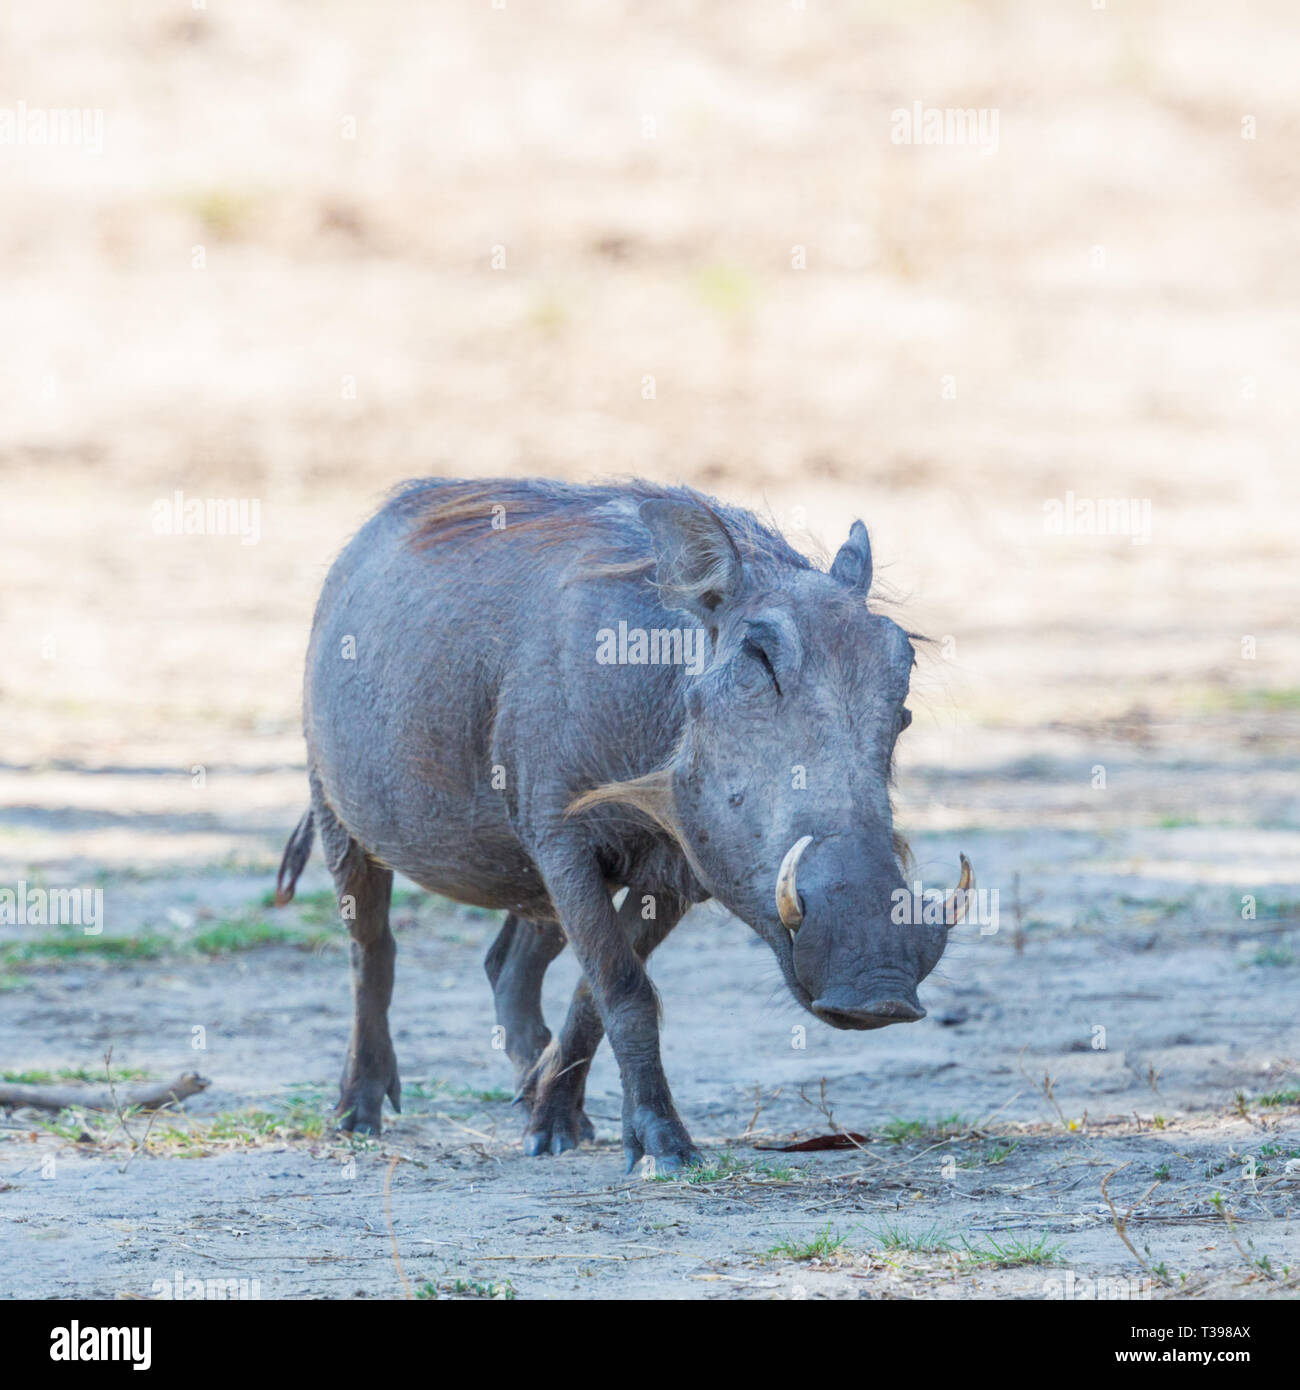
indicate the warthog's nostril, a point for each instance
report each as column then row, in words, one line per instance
column 877, row 1014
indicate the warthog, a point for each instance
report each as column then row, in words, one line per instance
column 482, row 713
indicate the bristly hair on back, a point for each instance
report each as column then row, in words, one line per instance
column 596, row 522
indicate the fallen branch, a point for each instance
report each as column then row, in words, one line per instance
column 841, row 1139
column 150, row 1095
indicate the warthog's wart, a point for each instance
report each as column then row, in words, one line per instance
column 459, row 731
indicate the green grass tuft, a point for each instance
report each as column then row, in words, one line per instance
column 903, row 1131
column 241, row 934
column 1013, row 1252
column 501, row 1290
column 727, row 1167
column 822, row 1246
column 57, row 948
column 892, row 1236
column 45, row 1078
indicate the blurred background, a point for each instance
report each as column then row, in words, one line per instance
column 323, row 248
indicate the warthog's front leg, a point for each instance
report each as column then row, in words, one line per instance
column 627, row 1005
column 555, row 1089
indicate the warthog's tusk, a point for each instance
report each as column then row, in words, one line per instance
column 957, row 902
column 787, row 895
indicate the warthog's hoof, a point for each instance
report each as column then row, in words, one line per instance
column 660, row 1138
column 556, row 1128
column 552, row 1096
column 361, row 1101
column 349, row 1123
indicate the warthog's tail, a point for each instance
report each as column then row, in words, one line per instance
column 296, row 854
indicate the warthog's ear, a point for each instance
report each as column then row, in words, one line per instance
column 852, row 565
column 697, row 563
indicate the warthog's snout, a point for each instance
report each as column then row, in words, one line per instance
column 856, row 963
column 880, row 1013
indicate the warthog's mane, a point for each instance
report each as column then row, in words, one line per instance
column 596, row 523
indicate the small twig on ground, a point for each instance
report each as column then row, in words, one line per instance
column 824, row 1106
column 1253, row 1263
column 979, row 1126
column 388, row 1213
column 1121, row 1222
column 1046, row 1085
column 112, row 1094
column 758, row 1108
column 465, row 1129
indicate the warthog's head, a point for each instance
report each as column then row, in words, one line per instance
column 780, row 786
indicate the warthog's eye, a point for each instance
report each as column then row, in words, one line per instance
column 761, row 658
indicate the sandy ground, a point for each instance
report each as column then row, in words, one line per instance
column 1103, row 307
column 1118, row 932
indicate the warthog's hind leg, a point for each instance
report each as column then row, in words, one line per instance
column 364, row 890
column 516, row 965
